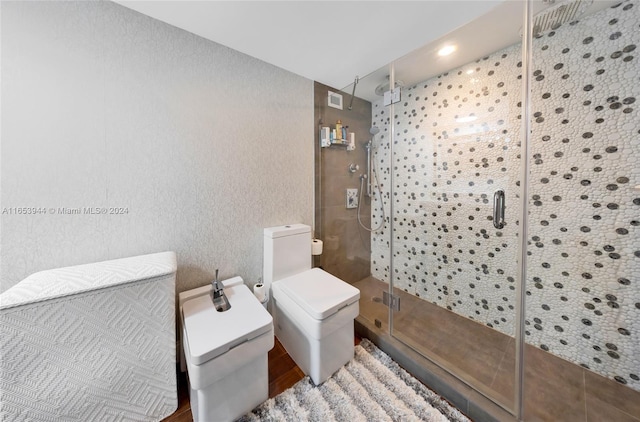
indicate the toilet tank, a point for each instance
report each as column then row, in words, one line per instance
column 287, row 251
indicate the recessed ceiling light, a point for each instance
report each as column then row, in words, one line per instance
column 445, row 51
column 470, row 71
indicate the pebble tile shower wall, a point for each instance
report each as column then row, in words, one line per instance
column 583, row 296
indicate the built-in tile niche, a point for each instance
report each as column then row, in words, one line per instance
column 583, row 297
column 346, row 249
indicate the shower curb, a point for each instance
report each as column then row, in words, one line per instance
column 473, row 404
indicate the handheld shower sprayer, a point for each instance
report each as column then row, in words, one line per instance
column 369, row 146
column 368, row 179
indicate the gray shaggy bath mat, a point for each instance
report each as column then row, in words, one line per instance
column 371, row 387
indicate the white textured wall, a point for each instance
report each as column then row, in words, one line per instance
column 104, row 107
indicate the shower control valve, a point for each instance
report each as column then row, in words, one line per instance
column 353, row 167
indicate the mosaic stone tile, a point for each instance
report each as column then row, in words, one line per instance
column 457, row 140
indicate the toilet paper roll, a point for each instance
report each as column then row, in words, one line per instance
column 260, row 292
column 316, row 247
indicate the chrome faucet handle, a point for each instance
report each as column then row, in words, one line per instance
column 220, row 301
column 217, row 291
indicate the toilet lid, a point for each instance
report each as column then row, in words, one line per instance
column 319, row 293
column 210, row 333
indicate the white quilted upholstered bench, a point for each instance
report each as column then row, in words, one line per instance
column 90, row 342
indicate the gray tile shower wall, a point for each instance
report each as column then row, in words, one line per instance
column 346, row 245
column 583, row 294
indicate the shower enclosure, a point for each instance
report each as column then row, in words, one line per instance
column 535, row 318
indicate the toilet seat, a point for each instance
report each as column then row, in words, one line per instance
column 318, row 302
column 319, row 293
column 314, row 313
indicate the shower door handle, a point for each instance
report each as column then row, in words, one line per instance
column 498, row 209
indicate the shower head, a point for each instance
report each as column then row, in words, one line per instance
column 557, row 15
column 384, row 87
column 373, row 131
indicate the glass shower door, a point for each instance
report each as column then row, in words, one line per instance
column 455, row 165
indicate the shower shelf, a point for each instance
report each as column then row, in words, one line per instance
column 342, row 145
column 326, row 143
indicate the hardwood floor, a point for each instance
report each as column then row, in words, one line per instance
column 283, row 373
column 183, row 413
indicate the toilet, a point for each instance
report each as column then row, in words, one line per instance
column 225, row 353
column 313, row 311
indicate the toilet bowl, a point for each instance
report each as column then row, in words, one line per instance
column 313, row 310
column 225, row 353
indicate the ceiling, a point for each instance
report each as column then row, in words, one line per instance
column 332, row 42
column 327, row 41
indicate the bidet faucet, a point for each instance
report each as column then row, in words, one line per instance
column 217, row 290
column 220, row 301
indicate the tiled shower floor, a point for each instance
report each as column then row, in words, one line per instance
column 555, row 389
